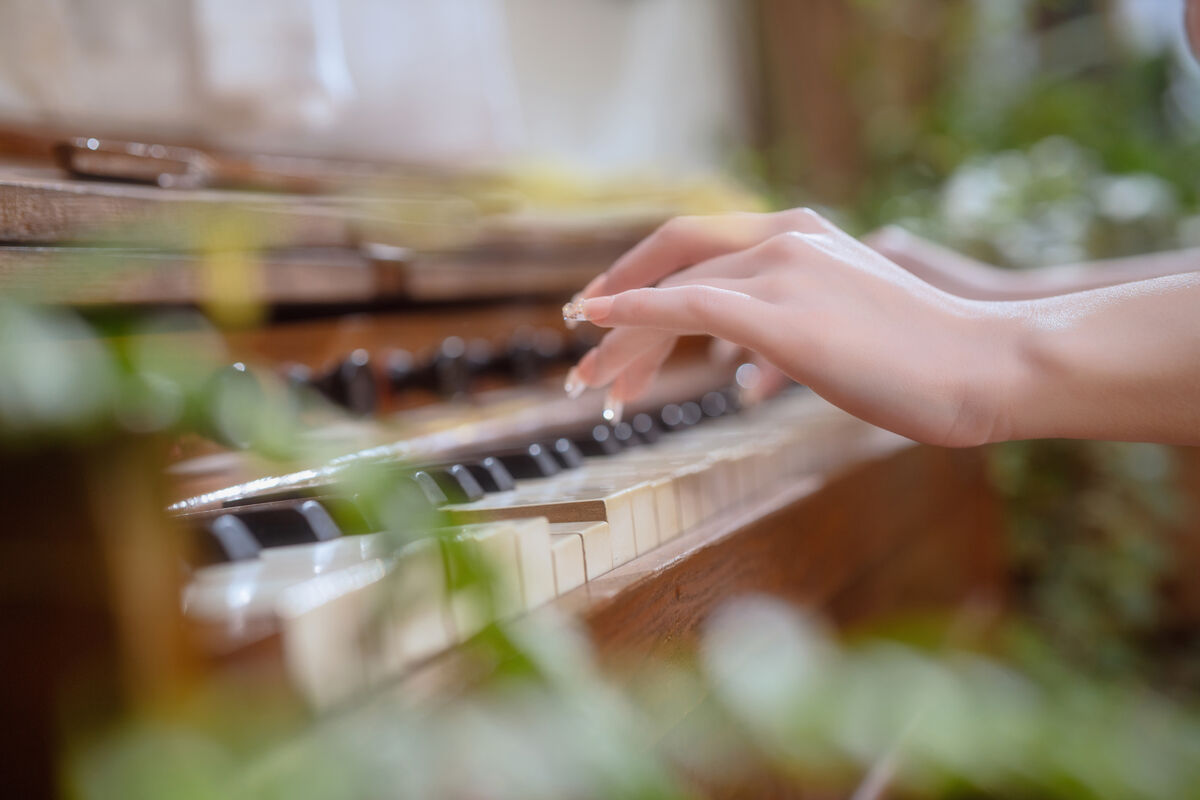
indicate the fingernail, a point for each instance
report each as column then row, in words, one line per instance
column 573, row 311
column 613, row 409
column 572, row 323
column 596, row 309
column 573, row 386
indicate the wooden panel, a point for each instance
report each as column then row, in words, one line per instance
column 37, row 206
column 912, row 529
column 916, row 529
column 88, row 276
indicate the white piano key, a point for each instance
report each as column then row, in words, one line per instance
column 535, row 561
column 322, row 622
column 233, row 592
column 495, row 545
column 597, row 545
column 356, row 626
column 325, row 556
column 415, row 612
column 666, row 506
column 568, row 500
column 569, row 569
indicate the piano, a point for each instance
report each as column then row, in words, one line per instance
column 411, row 321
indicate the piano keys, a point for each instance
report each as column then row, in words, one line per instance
column 639, row 529
column 540, row 537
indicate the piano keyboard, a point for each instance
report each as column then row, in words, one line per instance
column 354, row 609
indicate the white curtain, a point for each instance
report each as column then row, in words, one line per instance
column 598, row 84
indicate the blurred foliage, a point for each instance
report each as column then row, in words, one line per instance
column 1087, row 548
column 771, row 699
column 1049, row 137
column 1012, row 76
column 1022, row 154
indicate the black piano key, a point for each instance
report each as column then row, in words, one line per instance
column 399, row 369
column 691, row 413
column 228, row 539
column 671, row 417
column 733, row 399
column 277, row 525
column 351, row 383
column 599, row 441
column 320, row 520
column 715, row 404
column 492, row 475
column 450, row 368
column 646, row 428
column 457, row 483
column 521, row 358
column 480, row 357
column 534, row 461
column 345, row 514
column 623, row 433
column 367, row 511
column 429, row 488
column 566, row 453
column 447, row 372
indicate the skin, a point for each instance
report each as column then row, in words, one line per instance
column 1116, row 362
column 910, row 336
column 966, row 277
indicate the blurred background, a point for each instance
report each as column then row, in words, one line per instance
column 1025, row 133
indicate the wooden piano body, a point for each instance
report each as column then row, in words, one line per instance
column 846, row 519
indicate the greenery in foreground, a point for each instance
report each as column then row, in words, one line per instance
column 770, row 700
column 1071, row 702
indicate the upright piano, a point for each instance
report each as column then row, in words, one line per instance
column 411, row 321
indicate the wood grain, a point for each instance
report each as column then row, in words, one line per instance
column 39, row 207
column 913, row 529
column 99, row 276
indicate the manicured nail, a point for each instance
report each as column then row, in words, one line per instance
column 613, row 409
column 571, row 322
column 573, row 386
column 573, row 311
column 596, row 309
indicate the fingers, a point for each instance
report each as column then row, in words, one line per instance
column 638, row 375
column 685, row 241
column 723, row 352
column 718, row 310
column 616, row 351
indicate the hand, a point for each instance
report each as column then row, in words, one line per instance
column 861, row 331
column 949, row 270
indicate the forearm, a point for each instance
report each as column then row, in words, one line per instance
column 1120, row 363
column 959, row 275
column 1051, row 281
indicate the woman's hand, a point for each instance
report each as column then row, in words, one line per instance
column 1117, row 362
column 862, row 332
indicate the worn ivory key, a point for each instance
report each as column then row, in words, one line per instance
column 596, row 543
column 473, row 606
column 570, row 571
column 611, row 500
column 243, row 590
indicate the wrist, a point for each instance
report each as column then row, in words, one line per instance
column 1003, row 365
column 1043, row 395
